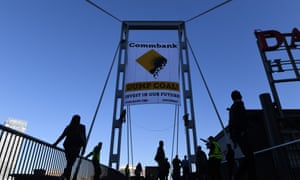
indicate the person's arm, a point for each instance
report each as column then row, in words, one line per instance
column 89, row 154
column 84, row 134
column 60, row 137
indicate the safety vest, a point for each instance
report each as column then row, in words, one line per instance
column 216, row 153
column 96, row 156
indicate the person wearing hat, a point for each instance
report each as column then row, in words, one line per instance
column 214, row 159
column 238, row 129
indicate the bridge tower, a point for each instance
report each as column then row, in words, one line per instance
column 186, row 86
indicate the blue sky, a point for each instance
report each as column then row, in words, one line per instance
column 55, row 56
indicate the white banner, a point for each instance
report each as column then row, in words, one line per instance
column 152, row 73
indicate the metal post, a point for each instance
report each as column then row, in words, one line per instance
column 273, row 134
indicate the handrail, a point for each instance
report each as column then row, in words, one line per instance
column 277, row 146
column 21, row 154
column 18, row 133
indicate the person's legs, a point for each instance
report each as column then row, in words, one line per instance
column 70, row 161
column 248, row 163
column 230, row 167
column 97, row 170
column 71, row 155
column 213, row 169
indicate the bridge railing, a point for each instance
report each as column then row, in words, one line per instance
column 21, row 154
column 280, row 162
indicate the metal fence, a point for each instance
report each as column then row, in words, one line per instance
column 280, row 162
column 21, row 154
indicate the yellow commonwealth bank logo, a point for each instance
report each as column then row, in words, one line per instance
column 153, row 62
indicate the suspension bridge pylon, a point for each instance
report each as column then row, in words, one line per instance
column 185, row 89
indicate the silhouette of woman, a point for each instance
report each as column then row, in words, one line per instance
column 75, row 138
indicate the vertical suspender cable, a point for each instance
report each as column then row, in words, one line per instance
column 130, row 134
column 173, row 137
column 128, row 148
column 209, row 93
column 129, row 138
column 177, row 128
column 175, row 131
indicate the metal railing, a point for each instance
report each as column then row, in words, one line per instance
column 21, row 154
column 280, row 162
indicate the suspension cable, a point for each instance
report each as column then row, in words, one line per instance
column 209, row 10
column 175, row 131
column 208, row 91
column 102, row 93
column 130, row 133
column 188, row 20
column 128, row 147
column 173, row 137
column 129, row 137
column 96, row 112
column 106, row 12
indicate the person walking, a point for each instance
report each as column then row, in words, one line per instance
column 138, row 170
column 96, row 160
column 214, row 160
column 127, row 171
column 186, row 168
column 201, row 164
column 238, row 129
column 75, row 140
column 160, row 159
column 176, row 163
column 166, row 168
column 230, row 161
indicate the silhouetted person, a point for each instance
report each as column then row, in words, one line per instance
column 127, row 171
column 75, row 139
column 238, row 128
column 96, row 160
column 201, row 163
column 166, row 169
column 138, row 170
column 214, row 160
column 160, row 159
column 186, row 168
column 230, row 161
column 176, row 168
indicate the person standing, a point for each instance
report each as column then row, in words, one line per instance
column 238, row 128
column 160, row 159
column 96, row 160
column 176, row 168
column 127, row 171
column 186, row 168
column 138, row 170
column 75, row 139
column 230, row 161
column 201, row 163
column 166, row 168
column 214, row 160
